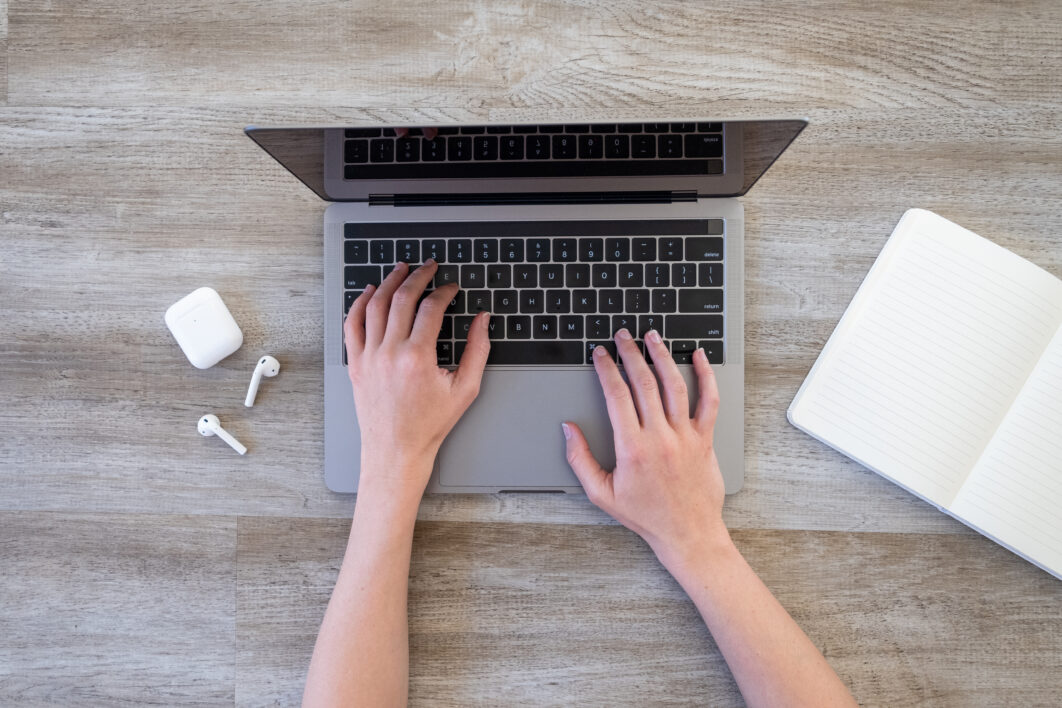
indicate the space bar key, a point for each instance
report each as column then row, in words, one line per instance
column 536, row 352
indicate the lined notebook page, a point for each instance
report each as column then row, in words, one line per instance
column 1014, row 494
column 929, row 356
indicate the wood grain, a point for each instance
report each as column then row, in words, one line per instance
column 100, row 609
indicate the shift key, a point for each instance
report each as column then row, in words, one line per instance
column 693, row 326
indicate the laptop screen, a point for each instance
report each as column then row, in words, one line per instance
column 702, row 158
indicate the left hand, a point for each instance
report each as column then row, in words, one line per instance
column 406, row 403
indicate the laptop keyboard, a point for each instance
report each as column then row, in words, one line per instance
column 557, row 294
column 595, row 149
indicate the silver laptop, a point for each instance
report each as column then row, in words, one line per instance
column 565, row 233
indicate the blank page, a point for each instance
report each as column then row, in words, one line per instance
column 930, row 354
column 1014, row 493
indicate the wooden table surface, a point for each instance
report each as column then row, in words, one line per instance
column 140, row 563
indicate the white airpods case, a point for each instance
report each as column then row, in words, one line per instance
column 204, row 328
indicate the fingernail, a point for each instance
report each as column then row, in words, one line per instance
column 484, row 319
column 369, row 288
column 567, row 431
column 430, row 261
column 701, row 353
column 653, row 336
column 600, row 351
column 623, row 334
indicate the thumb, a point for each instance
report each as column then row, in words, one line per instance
column 469, row 372
column 592, row 476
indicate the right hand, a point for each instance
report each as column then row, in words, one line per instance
column 666, row 486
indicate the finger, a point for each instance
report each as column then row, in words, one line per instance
column 404, row 302
column 429, row 317
column 617, row 395
column 430, row 133
column 469, row 372
column 672, row 385
column 354, row 325
column 594, row 478
column 708, row 403
column 643, row 381
column 400, row 132
column 380, row 305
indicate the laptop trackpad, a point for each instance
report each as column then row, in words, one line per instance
column 511, row 436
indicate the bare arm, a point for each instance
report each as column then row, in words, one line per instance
column 667, row 488
column 362, row 651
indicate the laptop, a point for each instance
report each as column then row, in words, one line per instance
column 565, row 233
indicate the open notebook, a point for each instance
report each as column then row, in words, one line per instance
column 945, row 376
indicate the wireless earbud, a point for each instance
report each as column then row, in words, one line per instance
column 209, row 425
column 267, row 366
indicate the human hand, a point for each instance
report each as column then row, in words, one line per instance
column 406, row 403
column 666, row 486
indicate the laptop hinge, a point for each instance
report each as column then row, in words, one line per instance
column 411, row 200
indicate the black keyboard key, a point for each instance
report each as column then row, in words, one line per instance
column 446, row 331
column 495, row 327
column 499, row 276
column 590, row 147
column 630, row 275
column 598, row 327
column 636, row 300
column 618, row 147
column 564, row 147
column 525, row 275
column 512, row 250
column 669, row 146
column 457, row 304
column 537, row 147
column 497, row 129
column 664, row 301
column 461, row 326
column 564, row 250
column 682, row 351
column 580, row 128
column 604, row 275
column 544, row 327
column 571, row 327
column 538, row 250
column 704, row 146
column 551, row 353
column 610, row 300
column 577, row 275
column 657, row 275
column 648, row 322
column 459, row 149
column 356, row 151
column 486, row 148
column 608, row 346
column 512, row 148
column 682, row 127
column 450, row 130
column 389, row 132
column 408, row 251
column 407, row 150
column 551, row 275
column 387, row 270
column 533, row 166
column 356, row 251
column 362, row 132
column 584, row 301
column 435, row 248
column 707, row 248
column 505, row 302
column 532, row 301
column 473, row 276
column 684, row 275
column 603, row 127
column 643, row 146
column 693, row 326
column 670, row 248
column 626, row 322
column 618, row 249
column 382, row 251
column 445, row 275
column 472, row 130
column 591, row 249
column 629, row 127
column 551, row 128
column 478, row 301
column 656, row 127
column 558, row 302
column 348, row 299
column 433, row 150
column 459, row 250
column 516, row 327
column 486, row 250
column 710, row 275
column 714, row 350
column 444, row 353
column 525, row 128
column 710, row 300
column 644, row 249
column 359, row 277
column 382, row 150
column 710, row 127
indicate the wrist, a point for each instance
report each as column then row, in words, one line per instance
column 707, row 547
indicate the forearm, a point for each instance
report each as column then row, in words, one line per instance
column 362, row 651
column 773, row 661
